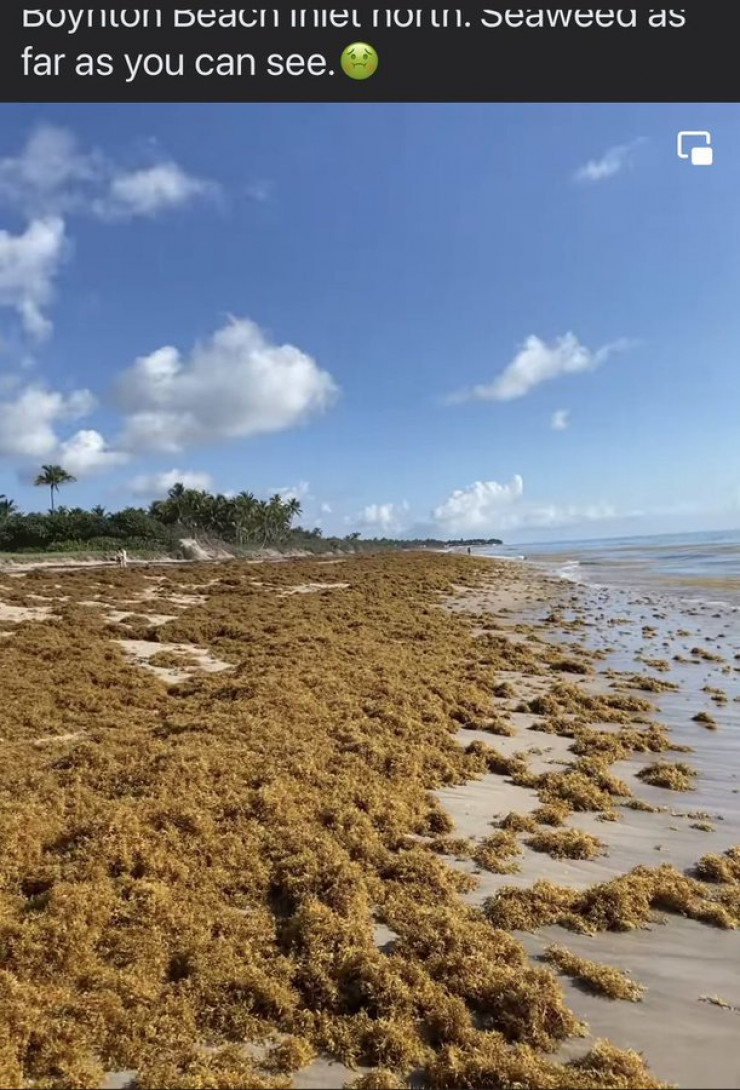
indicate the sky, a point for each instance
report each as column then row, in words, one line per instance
column 456, row 320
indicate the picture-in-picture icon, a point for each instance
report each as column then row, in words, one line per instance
column 700, row 155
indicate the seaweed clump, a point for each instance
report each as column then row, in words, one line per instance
column 674, row 777
column 491, row 1064
column 621, row 904
column 604, row 980
column 720, row 868
column 567, row 844
column 496, row 853
column 650, row 684
column 518, row 823
column 706, row 720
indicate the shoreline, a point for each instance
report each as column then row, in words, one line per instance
column 531, row 633
column 686, row 1039
column 602, row 565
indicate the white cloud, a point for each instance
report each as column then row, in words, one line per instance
column 53, row 175
column 489, row 508
column 28, row 422
column 159, row 484
column 300, row 491
column 327, row 509
column 29, row 264
column 610, row 163
column 538, row 362
column 150, row 191
column 477, row 506
column 555, row 515
column 235, row 385
column 87, row 452
column 384, row 517
column 560, row 420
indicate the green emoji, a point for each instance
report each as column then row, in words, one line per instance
column 359, row 61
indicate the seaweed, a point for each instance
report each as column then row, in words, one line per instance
column 720, row 868
column 706, row 720
column 496, row 852
column 674, row 777
column 205, row 864
column 567, row 844
column 621, row 904
column 518, row 823
column 604, row 980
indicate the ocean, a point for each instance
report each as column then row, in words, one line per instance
column 700, row 566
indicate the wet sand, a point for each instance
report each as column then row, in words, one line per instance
column 686, row 1039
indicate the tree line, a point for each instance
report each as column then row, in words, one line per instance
column 241, row 520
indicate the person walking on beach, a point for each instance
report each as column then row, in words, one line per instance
column 468, row 550
column 122, row 558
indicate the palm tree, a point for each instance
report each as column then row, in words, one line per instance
column 53, row 477
column 7, row 507
column 293, row 509
column 98, row 510
column 246, row 507
column 273, row 519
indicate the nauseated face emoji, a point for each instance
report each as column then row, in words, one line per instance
column 359, row 61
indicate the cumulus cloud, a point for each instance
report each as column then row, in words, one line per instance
column 28, row 421
column 560, row 420
column 477, row 506
column 53, row 175
column 487, row 507
column 234, row 385
column 29, row 264
column 327, row 509
column 537, row 362
column 300, row 491
column 150, row 191
column 159, row 484
column 382, row 516
column 609, row 164
column 87, row 452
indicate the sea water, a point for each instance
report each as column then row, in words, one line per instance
column 698, row 566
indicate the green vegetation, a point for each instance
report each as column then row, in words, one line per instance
column 237, row 523
column 53, row 477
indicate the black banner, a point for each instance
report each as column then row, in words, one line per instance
column 474, row 52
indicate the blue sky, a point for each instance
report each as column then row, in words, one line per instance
column 519, row 321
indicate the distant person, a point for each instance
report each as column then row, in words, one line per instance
column 122, row 558
column 468, row 550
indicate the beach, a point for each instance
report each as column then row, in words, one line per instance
column 284, row 824
column 675, row 1027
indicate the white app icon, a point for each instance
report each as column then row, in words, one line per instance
column 701, row 155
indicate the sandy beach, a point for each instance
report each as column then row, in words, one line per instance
column 288, row 825
column 688, row 1039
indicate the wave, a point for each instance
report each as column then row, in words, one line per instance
column 570, row 571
